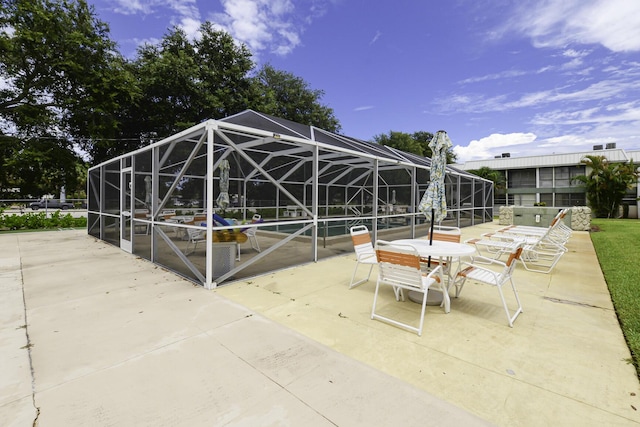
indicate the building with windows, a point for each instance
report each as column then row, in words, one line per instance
column 548, row 179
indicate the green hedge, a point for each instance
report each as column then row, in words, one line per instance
column 37, row 221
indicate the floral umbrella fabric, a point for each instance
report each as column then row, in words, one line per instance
column 434, row 203
column 223, row 198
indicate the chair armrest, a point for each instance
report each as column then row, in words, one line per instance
column 366, row 257
column 495, row 274
column 432, row 274
column 483, row 260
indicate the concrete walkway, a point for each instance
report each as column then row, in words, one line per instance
column 564, row 363
column 92, row 336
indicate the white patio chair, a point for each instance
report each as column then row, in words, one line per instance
column 365, row 254
column 488, row 276
column 141, row 227
column 251, row 232
column 195, row 236
column 444, row 233
column 400, row 268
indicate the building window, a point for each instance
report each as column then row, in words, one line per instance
column 571, row 199
column 575, row 171
column 562, row 176
column 546, row 178
column 565, row 174
column 524, row 199
column 546, row 198
column 523, row 178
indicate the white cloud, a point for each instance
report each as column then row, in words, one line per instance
column 375, row 38
column 492, row 145
column 573, row 142
column 602, row 91
column 185, row 13
column 262, row 24
column 572, row 53
column 191, row 27
column 614, row 24
column 624, row 112
column 496, row 76
column 364, row 108
column 131, row 7
column 182, row 8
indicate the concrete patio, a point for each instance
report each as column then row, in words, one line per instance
column 94, row 336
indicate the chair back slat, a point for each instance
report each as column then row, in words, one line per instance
column 399, row 258
column 361, row 239
column 445, row 233
column 445, row 237
column 400, row 265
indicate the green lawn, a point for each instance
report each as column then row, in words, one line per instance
column 617, row 246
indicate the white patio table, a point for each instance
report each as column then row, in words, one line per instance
column 444, row 252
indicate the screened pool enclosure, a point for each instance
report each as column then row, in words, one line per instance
column 233, row 198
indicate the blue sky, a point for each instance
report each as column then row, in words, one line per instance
column 518, row 76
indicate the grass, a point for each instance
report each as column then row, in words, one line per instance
column 616, row 244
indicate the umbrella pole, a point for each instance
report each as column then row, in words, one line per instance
column 431, row 235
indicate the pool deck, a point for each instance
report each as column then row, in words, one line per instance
column 91, row 335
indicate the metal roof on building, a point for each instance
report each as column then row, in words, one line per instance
column 550, row 160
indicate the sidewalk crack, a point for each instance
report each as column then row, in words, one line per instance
column 29, row 346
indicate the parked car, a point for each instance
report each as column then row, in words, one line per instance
column 51, row 204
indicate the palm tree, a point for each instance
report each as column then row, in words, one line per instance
column 606, row 184
column 499, row 182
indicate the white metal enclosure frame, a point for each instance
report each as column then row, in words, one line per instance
column 307, row 183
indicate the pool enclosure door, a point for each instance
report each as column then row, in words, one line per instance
column 126, row 202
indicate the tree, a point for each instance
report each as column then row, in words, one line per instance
column 284, row 95
column 607, row 183
column 416, row 143
column 224, row 67
column 400, row 141
column 56, row 63
column 64, row 87
column 39, row 166
column 499, row 182
column 59, row 88
column 181, row 83
column 185, row 82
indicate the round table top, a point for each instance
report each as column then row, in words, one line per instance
column 437, row 248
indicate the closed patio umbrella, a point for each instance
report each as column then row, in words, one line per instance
column 147, row 191
column 223, row 198
column 434, row 203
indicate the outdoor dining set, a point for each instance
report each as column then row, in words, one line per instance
column 431, row 266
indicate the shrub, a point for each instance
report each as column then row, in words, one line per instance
column 36, row 221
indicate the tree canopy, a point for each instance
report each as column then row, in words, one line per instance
column 416, row 143
column 282, row 94
column 498, row 178
column 66, row 92
column 59, row 83
column 607, row 184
